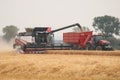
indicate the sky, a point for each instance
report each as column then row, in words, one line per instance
column 54, row 13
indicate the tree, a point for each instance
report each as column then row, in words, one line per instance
column 9, row 32
column 107, row 24
column 114, row 42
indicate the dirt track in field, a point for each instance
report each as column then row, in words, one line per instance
column 14, row 66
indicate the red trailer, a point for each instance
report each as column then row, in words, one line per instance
column 77, row 38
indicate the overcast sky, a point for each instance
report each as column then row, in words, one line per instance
column 54, row 13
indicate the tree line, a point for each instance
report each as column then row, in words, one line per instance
column 108, row 25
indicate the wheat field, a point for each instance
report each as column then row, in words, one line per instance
column 48, row 66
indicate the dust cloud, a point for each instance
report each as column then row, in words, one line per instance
column 5, row 46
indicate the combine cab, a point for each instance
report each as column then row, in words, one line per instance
column 40, row 39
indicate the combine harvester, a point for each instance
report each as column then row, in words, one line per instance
column 41, row 39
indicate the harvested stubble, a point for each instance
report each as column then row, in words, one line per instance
column 15, row 66
column 85, row 52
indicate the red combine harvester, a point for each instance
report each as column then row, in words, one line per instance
column 40, row 39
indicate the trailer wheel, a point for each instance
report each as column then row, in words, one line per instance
column 98, row 48
column 89, row 47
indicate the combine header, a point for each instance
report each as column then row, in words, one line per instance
column 40, row 39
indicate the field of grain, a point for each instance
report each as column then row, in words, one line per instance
column 54, row 66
